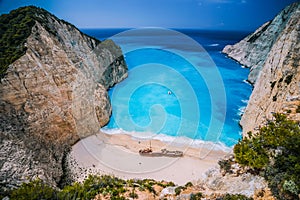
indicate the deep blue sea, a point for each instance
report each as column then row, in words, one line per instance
column 180, row 85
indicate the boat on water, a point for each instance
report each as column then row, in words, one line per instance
column 163, row 152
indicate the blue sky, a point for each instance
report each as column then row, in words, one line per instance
column 202, row 14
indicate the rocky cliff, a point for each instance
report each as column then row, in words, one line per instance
column 272, row 53
column 52, row 94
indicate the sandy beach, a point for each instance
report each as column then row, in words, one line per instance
column 118, row 155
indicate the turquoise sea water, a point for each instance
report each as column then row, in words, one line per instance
column 177, row 89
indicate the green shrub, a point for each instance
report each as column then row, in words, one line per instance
column 133, row 195
column 188, row 184
column 179, row 189
column 94, row 185
column 225, row 165
column 170, row 184
column 249, row 152
column 298, row 109
column 34, row 190
column 150, row 188
column 118, row 198
column 16, row 27
column 275, row 153
column 196, row 196
column 290, row 186
column 235, row 197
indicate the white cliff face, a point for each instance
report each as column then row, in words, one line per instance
column 214, row 182
column 51, row 97
column 274, row 60
column 253, row 50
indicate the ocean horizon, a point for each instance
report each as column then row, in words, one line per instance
column 177, row 91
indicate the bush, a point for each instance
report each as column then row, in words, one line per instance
column 225, row 165
column 298, row 109
column 106, row 185
column 235, row 197
column 290, row 186
column 275, row 153
column 188, row 184
column 170, row 184
column 179, row 189
column 196, row 196
column 16, row 27
column 34, row 190
column 249, row 152
column 133, row 195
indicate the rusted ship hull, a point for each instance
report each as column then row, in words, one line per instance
column 164, row 153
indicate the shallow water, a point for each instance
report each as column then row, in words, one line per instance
column 176, row 88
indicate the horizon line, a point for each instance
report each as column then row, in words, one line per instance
column 172, row 28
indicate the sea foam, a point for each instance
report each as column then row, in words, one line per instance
column 214, row 45
column 181, row 141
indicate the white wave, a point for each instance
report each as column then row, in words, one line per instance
column 247, row 82
column 241, row 110
column 245, row 101
column 177, row 141
column 236, row 120
column 213, row 45
column 134, row 134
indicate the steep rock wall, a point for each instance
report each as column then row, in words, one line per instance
column 272, row 53
column 253, row 50
column 51, row 97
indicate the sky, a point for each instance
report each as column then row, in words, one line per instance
column 201, row 14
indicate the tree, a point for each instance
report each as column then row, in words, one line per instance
column 275, row 153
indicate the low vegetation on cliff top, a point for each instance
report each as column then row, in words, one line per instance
column 274, row 153
column 16, row 27
column 109, row 187
column 94, row 187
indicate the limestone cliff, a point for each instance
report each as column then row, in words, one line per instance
column 272, row 53
column 52, row 95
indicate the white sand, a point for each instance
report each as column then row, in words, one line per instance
column 118, row 155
